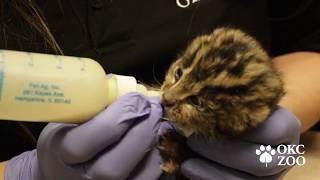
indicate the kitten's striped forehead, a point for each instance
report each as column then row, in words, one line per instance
column 190, row 56
column 224, row 51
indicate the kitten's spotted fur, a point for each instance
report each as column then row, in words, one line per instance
column 223, row 85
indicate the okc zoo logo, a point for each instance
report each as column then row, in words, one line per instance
column 265, row 154
column 286, row 154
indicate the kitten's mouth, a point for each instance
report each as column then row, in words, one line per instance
column 167, row 102
column 170, row 115
column 185, row 131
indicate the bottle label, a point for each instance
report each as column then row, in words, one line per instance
column 43, row 93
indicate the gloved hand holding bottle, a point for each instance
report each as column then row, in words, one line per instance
column 119, row 143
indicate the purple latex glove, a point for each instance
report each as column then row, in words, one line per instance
column 119, row 143
column 236, row 159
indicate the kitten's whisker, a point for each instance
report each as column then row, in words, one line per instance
column 165, row 118
column 154, row 76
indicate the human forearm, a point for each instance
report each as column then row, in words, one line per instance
column 2, row 167
column 301, row 75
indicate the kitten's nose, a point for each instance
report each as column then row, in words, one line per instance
column 167, row 100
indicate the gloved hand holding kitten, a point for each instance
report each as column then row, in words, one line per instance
column 238, row 156
column 120, row 143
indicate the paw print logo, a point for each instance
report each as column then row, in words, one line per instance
column 265, row 154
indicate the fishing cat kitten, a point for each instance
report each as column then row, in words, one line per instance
column 222, row 85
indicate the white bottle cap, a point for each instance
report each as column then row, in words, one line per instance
column 152, row 93
column 141, row 89
column 126, row 84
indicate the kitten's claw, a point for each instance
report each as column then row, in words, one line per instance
column 160, row 147
column 170, row 167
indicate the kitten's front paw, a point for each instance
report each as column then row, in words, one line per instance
column 174, row 151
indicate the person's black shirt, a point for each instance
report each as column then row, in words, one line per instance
column 295, row 25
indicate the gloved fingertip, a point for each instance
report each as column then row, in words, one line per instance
column 294, row 121
column 155, row 100
column 189, row 170
column 164, row 127
column 149, row 167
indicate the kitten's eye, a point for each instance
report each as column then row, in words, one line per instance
column 195, row 101
column 178, row 74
